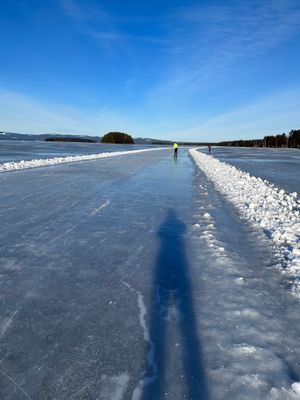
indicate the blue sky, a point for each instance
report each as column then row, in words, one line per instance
column 184, row 70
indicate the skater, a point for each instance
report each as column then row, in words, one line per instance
column 209, row 148
column 175, row 147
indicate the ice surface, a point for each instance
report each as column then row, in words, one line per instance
column 15, row 150
column 204, row 313
column 264, row 205
column 146, row 380
column 113, row 387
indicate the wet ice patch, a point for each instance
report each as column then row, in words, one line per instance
column 262, row 204
column 17, row 165
column 113, row 387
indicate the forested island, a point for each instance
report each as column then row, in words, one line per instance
column 117, row 138
column 290, row 140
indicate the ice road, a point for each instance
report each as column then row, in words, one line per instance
column 133, row 278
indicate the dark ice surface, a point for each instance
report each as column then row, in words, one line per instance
column 131, row 278
column 28, row 150
column 279, row 166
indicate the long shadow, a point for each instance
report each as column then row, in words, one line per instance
column 172, row 289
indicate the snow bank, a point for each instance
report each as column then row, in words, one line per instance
column 17, row 165
column 264, row 205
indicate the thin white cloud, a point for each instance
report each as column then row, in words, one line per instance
column 107, row 28
column 208, row 41
column 277, row 113
column 23, row 114
column 85, row 11
column 92, row 20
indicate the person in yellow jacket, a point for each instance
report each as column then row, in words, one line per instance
column 175, row 147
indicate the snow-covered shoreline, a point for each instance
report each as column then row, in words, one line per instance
column 261, row 203
column 35, row 163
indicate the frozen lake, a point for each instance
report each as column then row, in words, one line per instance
column 132, row 278
column 28, row 150
column 279, row 166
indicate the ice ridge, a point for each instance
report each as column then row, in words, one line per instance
column 17, row 165
column 263, row 205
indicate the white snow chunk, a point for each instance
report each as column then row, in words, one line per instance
column 239, row 281
column 206, row 215
column 296, row 387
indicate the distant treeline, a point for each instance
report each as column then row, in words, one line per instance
column 291, row 140
column 70, row 139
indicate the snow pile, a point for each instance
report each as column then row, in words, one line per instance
column 264, row 205
column 16, row 165
column 283, row 394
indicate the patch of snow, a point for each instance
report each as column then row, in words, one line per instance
column 36, row 163
column 284, row 394
column 206, row 215
column 239, row 281
column 113, row 387
column 244, row 349
column 296, row 387
column 262, row 204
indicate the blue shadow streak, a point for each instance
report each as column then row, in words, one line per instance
column 171, row 287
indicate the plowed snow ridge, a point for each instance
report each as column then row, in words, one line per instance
column 264, row 205
column 17, row 165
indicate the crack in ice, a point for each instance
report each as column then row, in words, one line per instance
column 105, row 204
column 146, row 380
column 16, row 384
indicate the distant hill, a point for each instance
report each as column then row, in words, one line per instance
column 59, row 137
column 140, row 140
column 44, row 136
column 87, row 138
